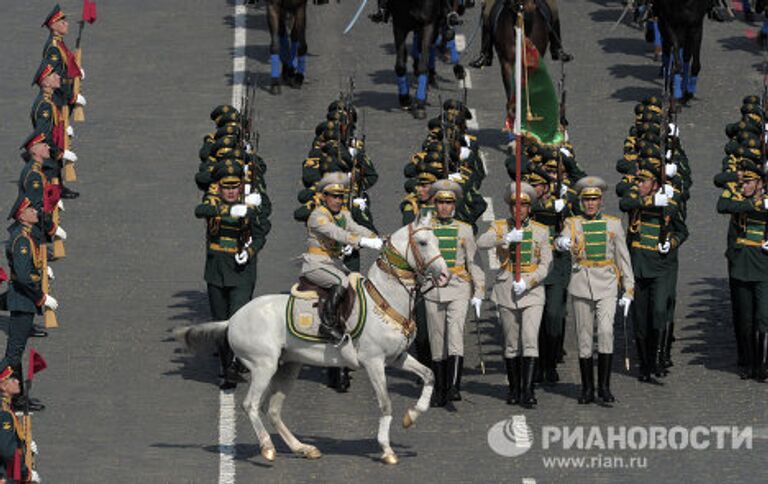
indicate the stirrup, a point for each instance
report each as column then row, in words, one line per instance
column 344, row 337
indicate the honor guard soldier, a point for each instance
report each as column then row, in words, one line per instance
column 447, row 306
column 331, row 234
column 747, row 257
column 655, row 232
column 12, row 465
column 520, row 303
column 25, row 294
column 602, row 269
column 235, row 235
column 62, row 59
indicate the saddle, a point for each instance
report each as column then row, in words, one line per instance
column 307, row 289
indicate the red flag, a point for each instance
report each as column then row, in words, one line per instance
column 89, row 11
column 3, row 275
column 51, row 196
column 36, row 363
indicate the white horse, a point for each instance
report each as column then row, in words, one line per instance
column 260, row 339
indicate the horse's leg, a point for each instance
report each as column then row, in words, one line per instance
column 273, row 20
column 694, row 52
column 410, row 364
column 282, row 383
column 299, row 43
column 427, row 37
column 401, row 66
column 262, row 370
column 378, row 377
column 431, row 61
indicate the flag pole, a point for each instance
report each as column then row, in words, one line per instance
column 519, row 34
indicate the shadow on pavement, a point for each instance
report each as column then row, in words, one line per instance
column 193, row 305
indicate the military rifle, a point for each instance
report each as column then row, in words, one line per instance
column 563, row 126
column 763, row 133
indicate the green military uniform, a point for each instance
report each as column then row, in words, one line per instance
column 747, row 257
column 11, row 438
column 654, row 263
column 61, row 58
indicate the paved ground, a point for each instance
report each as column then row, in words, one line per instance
column 124, row 404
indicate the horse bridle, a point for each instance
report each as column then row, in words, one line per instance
column 421, row 266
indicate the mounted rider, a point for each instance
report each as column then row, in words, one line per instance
column 548, row 10
column 332, row 234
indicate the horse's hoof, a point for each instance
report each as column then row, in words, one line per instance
column 274, row 89
column 405, row 102
column 389, row 458
column 298, row 80
column 268, row 453
column 407, row 420
column 419, row 112
column 311, row 452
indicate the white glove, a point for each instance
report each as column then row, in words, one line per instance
column 248, row 149
column 563, row 243
column 563, row 190
column 82, row 73
column 625, row 302
column 61, row 233
column 242, row 257
column 374, row 243
column 360, row 203
column 464, row 153
column 347, row 250
column 669, row 191
column 668, row 155
column 468, row 139
column 35, row 477
column 671, row 169
column 254, row 199
column 455, row 177
column 765, row 245
column 60, row 204
column 50, row 302
column 566, row 152
column 519, row 287
column 352, row 151
column 81, row 100
column 70, row 156
column 765, row 203
column 247, row 189
column 238, row 211
column 674, row 130
column 660, row 199
column 50, row 273
column 476, row 303
column 664, row 248
column 70, row 131
column 514, row 235
column 559, row 205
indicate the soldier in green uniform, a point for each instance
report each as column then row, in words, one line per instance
column 747, row 257
column 235, row 235
column 25, row 295
column 11, row 432
column 447, row 306
column 601, row 270
column 655, row 232
column 520, row 303
column 58, row 54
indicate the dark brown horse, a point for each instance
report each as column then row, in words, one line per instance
column 537, row 29
column 287, row 21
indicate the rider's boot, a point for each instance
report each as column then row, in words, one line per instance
column 329, row 319
column 486, row 50
column 556, row 45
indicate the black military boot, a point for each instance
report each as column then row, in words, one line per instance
column 604, row 361
column 513, row 379
column 68, row 193
column 38, row 331
column 655, row 343
column 382, row 13
column 438, row 394
column 455, row 369
column 228, row 372
column 642, row 358
column 760, row 371
column 329, row 320
column 528, row 397
column 586, row 368
column 21, row 402
column 550, row 368
column 485, row 58
column 666, row 350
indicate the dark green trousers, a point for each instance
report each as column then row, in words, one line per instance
column 651, row 305
column 225, row 301
column 751, row 306
column 19, row 329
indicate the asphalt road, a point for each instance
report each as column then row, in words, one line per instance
column 126, row 405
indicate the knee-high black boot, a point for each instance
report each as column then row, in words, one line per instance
column 604, row 361
column 528, row 395
column 455, row 369
column 760, row 370
column 586, row 368
column 438, row 394
column 513, row 379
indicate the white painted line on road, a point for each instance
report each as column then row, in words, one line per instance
column 227, row 421
column 472, row 123
column 488, row 215
column 529, row 480
column 481, row 153
column 227, row 435
column 467, row 81
column 461, row 42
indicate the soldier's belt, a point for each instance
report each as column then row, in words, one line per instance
column 524, row 268
column 220, row 248
column 595, row 263
column 32, row 277
column 461, row 273
column 748, row 242
column 638, row 245
column 320, row 251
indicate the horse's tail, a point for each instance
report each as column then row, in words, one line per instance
column 201, row 337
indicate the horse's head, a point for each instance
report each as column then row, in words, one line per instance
column 418, row 247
